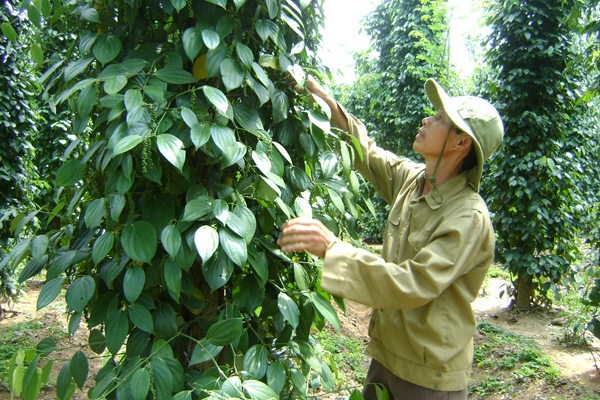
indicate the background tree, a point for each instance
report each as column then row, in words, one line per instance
column 188, row 151
column 409, row 45
column 534, row 178
column 25, row 151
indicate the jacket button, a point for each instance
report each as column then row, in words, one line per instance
column 439, row 374
column 435, row 387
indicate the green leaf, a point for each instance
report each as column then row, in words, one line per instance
column 281, row 106
column 126, row 144
column 9, row 32
column 140, row 384
column 49, row 292
column 224, row 139
column 328, row 161
column 247, row 116
column 288, row 309
column 307, row 353
column 217, row 270
column 114, row 84
column 238, row 3
column 337, row 200
column 302, row 208
column 266, row 28
column 200, row 134
column 224, row 332
column 258, row 390
column 217, row 98
column 245, row 55
column 301, row 276
column 117, row 328
column 75, row 68
column 189, row 117
column 139, row 241
column 248, row 219
column 320, row 120
column 203, row 352
column 256, row 361
column 172, row 273
column 232, row 73
column 133, row 282
column 79, row 368
column 211, row 38
column 192, row 42
column 235, row 247
column 97, row 341
column 165, row 323
column 86, row 101
column 262, row 161
column 80, row 292
column 46, row 346
column 94, row 213
column 325, row 308
column 178, row 4
column 34, row 14
column 267, row 190
column 39, row 246
column 220, row 210
column 141, row 317
column 70, row 173
column 273, row 8
column 171, row 239
column 276, row 376
column 37, row 54
column 220, row 3
column 105, row 49
column 133, row 99
column 175, row 76
column 102, row 246
column 64, row 385
column 172, row 149
column 90, row 14
column 206, row 239
column 197, row 210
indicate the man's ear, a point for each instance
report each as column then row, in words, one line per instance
column 465, row 143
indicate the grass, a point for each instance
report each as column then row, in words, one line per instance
column 509, row 360
column 348, row 356
column 14, row 337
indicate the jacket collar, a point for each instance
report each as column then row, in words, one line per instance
column 448, row 189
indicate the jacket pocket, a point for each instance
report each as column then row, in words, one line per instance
column 418, row 238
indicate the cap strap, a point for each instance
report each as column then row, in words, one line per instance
column 437, row 165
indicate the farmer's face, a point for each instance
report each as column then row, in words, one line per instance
column 430, row 139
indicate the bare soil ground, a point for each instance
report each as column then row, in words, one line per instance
column 577, row 366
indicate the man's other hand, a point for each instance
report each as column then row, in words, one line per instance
column 305, row 234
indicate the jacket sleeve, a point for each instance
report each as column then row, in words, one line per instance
column 381, row 168
column 451, row 251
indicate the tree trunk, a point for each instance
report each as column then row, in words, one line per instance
column 525, row 292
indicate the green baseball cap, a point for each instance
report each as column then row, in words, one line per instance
column 474, row 116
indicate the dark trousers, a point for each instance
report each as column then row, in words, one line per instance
column 399, row 389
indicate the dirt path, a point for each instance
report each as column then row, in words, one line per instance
column 575, row 364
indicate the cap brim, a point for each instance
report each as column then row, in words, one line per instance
column 439, row 98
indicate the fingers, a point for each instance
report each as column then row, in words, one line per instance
column 305, row 234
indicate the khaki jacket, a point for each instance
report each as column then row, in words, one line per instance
column 434, row 260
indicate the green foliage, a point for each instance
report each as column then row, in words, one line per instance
column 348, row 355
column 509, row 359
column 534, row 183
column 409, row 46
column 188, row 151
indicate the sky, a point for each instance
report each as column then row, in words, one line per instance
column 342, row 34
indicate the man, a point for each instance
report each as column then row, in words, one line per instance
column 438, row 245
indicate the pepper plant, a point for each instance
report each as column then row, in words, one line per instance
column 189, row 152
